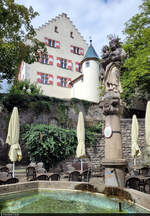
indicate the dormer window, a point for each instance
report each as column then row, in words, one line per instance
column 56, row 29
column 71, row 35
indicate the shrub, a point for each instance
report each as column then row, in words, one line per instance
column 49, row 143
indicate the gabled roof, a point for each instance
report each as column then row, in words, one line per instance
column 63, row 15
column 90, row 54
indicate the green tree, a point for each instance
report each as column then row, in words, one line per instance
column 136, row 70
column 17, row 38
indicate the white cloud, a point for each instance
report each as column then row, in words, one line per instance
column 96, row 18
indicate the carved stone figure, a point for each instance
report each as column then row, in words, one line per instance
column 110, row 104
column 111, row 62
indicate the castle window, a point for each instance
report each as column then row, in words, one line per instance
column 56, row 29
column 42, row 59
column 44, row 78
column 64, row 63
column 52, row 43
column 49, row 42
column 63, row 82
column 87, row 64
column 80, row 68
column 46, row 59
column 76, row 50
column 71, row 35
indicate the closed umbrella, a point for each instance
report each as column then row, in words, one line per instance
column 80, row 151
column 147, row 135
column 135, row 150
column 13, row 138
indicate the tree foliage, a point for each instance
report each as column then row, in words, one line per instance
column 136, row 70
column 17, row 38
column 24, row 87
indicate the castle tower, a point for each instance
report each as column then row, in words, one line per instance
column 86, row 86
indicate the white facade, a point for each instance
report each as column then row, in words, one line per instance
column 66, row 49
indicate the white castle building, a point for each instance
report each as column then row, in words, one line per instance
column 71, row 68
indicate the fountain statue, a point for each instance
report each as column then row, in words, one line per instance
column 112, row 58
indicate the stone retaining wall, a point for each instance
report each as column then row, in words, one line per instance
column 95, row 152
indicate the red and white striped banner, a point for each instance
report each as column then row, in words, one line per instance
column 58, row 61
column 58, row 80
column 46, row 41
column 39, row 77
column 50, row 59
column 71, row 48
column 69, row 64
column 50, row 79
column 81, row 51
column 77, row 66
column 68, row 81
column 57, row 44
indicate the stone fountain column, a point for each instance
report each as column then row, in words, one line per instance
column 111, row 61
column 114, row 163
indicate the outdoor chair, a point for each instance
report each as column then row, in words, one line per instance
column 86, row 175
column 133, row 183
column 3, row 175
column 12, row 181
column 75, row 176
column 4, row 169
column 40, row 165
column 41, row 170
column 54, row 177
column 32, row 164
column 2, row 182
column 42, row 177
column 31, row 173
column 10, row 167
column 77, row 165
column 145, row 171
column 147, row 186
column 148, row 172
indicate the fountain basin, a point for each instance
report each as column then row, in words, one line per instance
column 42, row 197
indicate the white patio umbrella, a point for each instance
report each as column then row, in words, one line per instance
column 13, row 138
column 147, row 135
column 80, row 151
column 135, row 150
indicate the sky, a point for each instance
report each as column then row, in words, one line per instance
column 93, row 18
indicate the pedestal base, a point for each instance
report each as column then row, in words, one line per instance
column 114, row 172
